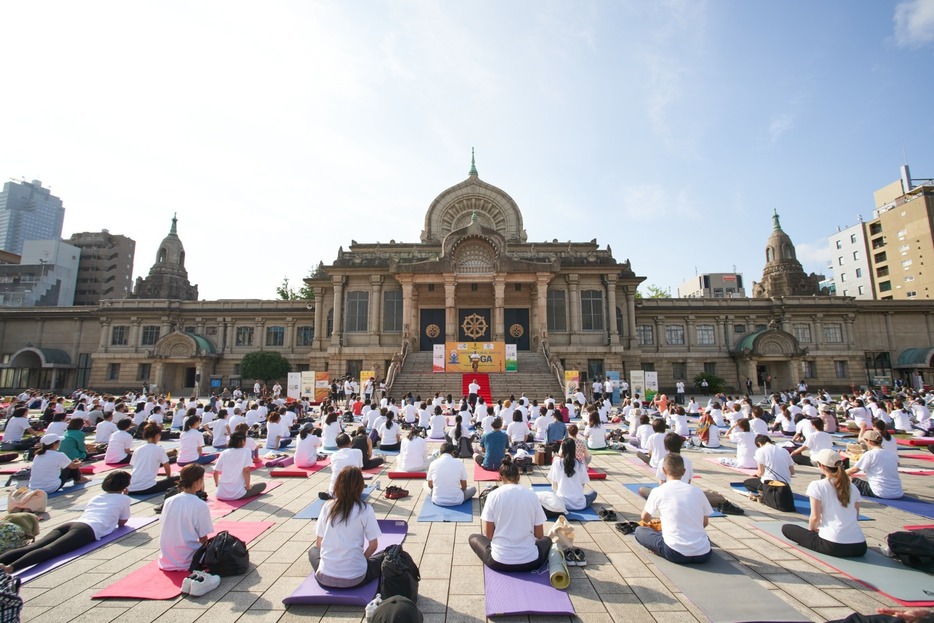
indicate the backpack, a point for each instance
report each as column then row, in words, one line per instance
column 223, row 555
column 399, row 575
column 465, row 448
column 485, row 493
column 914, row 549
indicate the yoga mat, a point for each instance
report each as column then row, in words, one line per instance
column 72, row 488
column 741, row 470
column 528, row 592
column 310, row 592
column 907, row 586
column 151, row 582
column 98, row 468
column 586, row 514
column 558, row 569
column 386, row 452
column 284, row 461
column 596, row 474
column 481, row 475
column 314, row 509
column 604, row 451
column 912, row 471
column 635, row 489
column 917, row 441
column 294, row 471
column 407, row 475
column 219, row 508
column 920, row 527
column 802, row 502
column 31, row 573
column 432, row 512
column 907, row 503
column 737, row 597
column 917, row 457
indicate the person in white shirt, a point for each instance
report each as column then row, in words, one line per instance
column 185, row 520
column 708, row 433
column 684, row 512
column 860, row 418
column 424, row 416
column 104, row 429
column 596, row 390
column 58, row 426
column 881, row 469
column 517, row 430
column 680, row 420
column 346, row 536
column 772, row 464
column 595, row 433
column 568, row 477
column 389, row 433
column 833, row 527
column 276, row 432
column 437, row 424
column 745, row 441
column 410, row 414
column 220, row 430
column 17, row 427
column 120, row 444
column 447, row 479
column 512, row 525
column 306, row 452
column 146, row 462
column 371, row 416
column 331, row 429
column 232, row 471
column 655, row 445
column 103, row 514
column 343, row 458
column 52, row 469
column 413, row 453
column 717, row 414
column 901, row 417
column 191, row 444
column 814, row 443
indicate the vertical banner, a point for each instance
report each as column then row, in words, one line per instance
column 437, row 358
column 651, row 385
column 512, row 358
column 613, row 375
column 366, row 375
column 322, row 386
column 637, row 384
column 571, row 382
column 308, row 385
column 294, row 386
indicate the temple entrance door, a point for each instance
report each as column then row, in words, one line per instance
column 431, row 328
column 516, row 327
column 474, row 325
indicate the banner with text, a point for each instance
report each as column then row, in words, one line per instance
column 322, row 386
column 294, row 386
column 572, row 380
column 512, row 358
column 637, row 384
column 475, row 357
column 437, row 358
column 308, row 385
column 651, row 385
column 366, row 375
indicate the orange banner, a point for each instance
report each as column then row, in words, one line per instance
column 475, row 357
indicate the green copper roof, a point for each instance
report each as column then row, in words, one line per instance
column 775, row 223
column 915, row 358
column 747, row 341
column 203, row 343
column 473, row 163
column 174, row 221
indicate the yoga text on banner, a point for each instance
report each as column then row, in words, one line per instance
column 475, row 356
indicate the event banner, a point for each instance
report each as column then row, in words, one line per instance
column 651, row 385
column 475, row 356
column 366, row 375
column 637, row 384
column 437, row 358
column 613, row 375
column 294, row 386
column 322, row 386
column 308, row 385
column 572, row 380
column 512, row 358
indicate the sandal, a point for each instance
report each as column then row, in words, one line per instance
column 626, row 527
column 579, row 556
column 607, row 514
column 569, row 558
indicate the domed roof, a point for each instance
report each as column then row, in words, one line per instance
column 779, row 247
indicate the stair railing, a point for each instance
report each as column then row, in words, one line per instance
column 398, row 361
column 554, row 364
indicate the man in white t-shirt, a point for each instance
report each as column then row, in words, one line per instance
column 472, row 391
column 447, row 479
column 772, row 464
column 344, row 457
column 597, row 390
column 684, row 512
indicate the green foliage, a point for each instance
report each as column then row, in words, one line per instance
column 287, row 293
column 654, row 292
column 714, row 382
column 264, row 365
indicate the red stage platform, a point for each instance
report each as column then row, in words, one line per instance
column 483, row 380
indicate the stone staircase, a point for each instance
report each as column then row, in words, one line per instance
column 533, row 378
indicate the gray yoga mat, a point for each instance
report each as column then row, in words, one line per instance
column 736, row 598
column 905, row 585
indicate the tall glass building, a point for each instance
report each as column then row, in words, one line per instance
column 28, row 212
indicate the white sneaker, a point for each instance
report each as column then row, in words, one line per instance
column 372, row 606
column 204, row 583
column 186, row 584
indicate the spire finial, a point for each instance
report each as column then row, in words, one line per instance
column 473, row 164
column 775, row 224
column 174, row 221
column 473, row 216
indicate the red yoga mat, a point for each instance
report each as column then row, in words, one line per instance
column 481, row 475
column 219, row 508
column 151, row 582
column 918, row 457
column 409, row 475
column 100, row 467
column 917, row 441
column 596, row 474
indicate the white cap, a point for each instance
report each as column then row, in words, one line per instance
column 49, row 439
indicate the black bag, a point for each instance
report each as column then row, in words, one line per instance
column 465, row 448
column 485, row 493
column 11, row 604
column 914, row 549
column 778, row 495
column 399, row 574
column 223, row 555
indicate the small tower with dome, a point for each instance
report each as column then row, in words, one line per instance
column 783, row 274
column 167, row 278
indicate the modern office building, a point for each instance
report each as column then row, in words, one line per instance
column 28, row 212
column 44, row 278
column 713, row 285
column 852, row 275
column 106, row 267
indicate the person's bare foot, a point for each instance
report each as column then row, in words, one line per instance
column 82, row 480
column 7, row 569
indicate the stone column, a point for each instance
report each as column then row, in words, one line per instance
column 413, row 328
column 320, row 322
column 660, row 333
column 889, row 330
column 375, row 320
column 611, row 300
column 158, row 376
column 574, row 304
column 818, row 337
column 406, row 283
column 725, row 333
column 541, row 292
column 259, row 335
column 290, row 334
column 105, row 334
column 499, row 295
column 929, row 324
column 338, row 283
column 629, row 331
column 231, row 333
column 690, row 329
column 166, row 327
column 450, row 313
column 848, row 327
column 134, row 333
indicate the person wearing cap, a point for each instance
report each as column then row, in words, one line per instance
column 51, row 469
column 833, row 527
column 881, row 469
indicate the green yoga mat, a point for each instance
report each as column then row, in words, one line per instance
column 905, row 585
column 605, row 451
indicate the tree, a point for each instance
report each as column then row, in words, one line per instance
column 715, row 384
column 287, row 293
column 264, row 365
column 654, row 292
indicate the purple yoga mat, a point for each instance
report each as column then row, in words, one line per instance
column 907, row 503
column 36, row 570
column 528, row 592
column 310, row 592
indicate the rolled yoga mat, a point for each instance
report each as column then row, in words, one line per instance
column 558, row 569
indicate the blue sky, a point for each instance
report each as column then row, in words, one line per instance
column 280, row 131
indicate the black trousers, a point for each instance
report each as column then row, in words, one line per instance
column 70, row 473
column 482, row 547
column 59, row 540
column 373, row 565
column 373, row 462
column 754, row 485
column 159, row 487
column 811, row 540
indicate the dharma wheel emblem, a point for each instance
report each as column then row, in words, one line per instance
column 432, row 331
column 474, row 326
column 516, row 331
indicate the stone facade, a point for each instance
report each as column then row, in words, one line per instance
column 783, row 274
column 168, row 278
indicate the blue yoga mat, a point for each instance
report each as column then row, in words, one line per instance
column 314, row 509
column 907, row 503
column 432, row 512
column 802, row 502
column 635, row 489
column 587, row 514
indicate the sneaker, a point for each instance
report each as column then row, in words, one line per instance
column 396, row 493
column 203, row 583
column 186, row 584
column 607, row 514
column 728, row 508
column 579, row 556
column 569, row 558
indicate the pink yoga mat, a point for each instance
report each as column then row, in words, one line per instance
column 917, row 441
column 596, row 474
column 151, row 582
column 481, row 475
column 917, row 457
column 219, row 508
column 411, row 475
column 741, row 470
column 100, row 467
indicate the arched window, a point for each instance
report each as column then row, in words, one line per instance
column 769, row 254
column 787, row 252
column 161, row 257
column 474, row 257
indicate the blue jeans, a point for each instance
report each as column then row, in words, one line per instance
column 652, row 540
column 202, row 460
column 282, row 444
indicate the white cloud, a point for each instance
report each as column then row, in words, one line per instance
column 780, row 124
column 814, row 256
column 652, row 202
column 914, row 23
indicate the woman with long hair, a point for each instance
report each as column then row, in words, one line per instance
column 413, row 453
column 306, row 452
column 51, row 469
column 232, row 471
column 331, row 429
column 346, row 536
column 833, row 527
column 568, row 476
column 389, row 433
column 146, row 462
column 191, row 444
column 362, row 442
column 595, row 433
column 436, row 424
